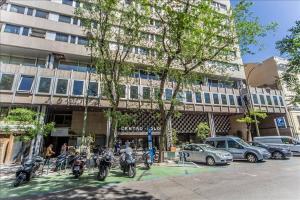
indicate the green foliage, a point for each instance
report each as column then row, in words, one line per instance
column 249, row 117
column 289, row 47
column 174, row 137
column 202, row 131
column 27, row 123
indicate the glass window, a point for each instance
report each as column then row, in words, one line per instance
column 41, row 14
column 78, row 88
column 73, row 39
column 198, row 97
column 64, row 18
column 12, row 29
column 255, row 99
column 275, row 99
column 17, row 9
column 68, row 2
column 180, row 96
column 41, row 63
column 216, row 98
column 82, row 41
column 213, row 83
column 25, row 31
column 269, row 100
column 6, row 81
column 239, row 100
column 29, row 62
column 143, row 74
column 30, row 11
column 75, row 21
column 168, row 94
column 153, row 76
column 93, row 89
column 146, row 92
column 44, row 85
column 4, row 59
column 262, row 99
column 123, row 91
column 207, row 98
column 233, row 144
column 220, row 144
column 281, row 101
column 26, row 83
column 62, row 86
column 231, row 100
column 224, row 99
column 211, row 143
column 134, row 92
column 189, row 96
column 61, row 37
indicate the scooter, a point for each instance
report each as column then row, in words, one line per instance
column 148, row 161
column 27, row 171
column 63, row 160
column 127, row 162
column 78, row 166
column 104, row 163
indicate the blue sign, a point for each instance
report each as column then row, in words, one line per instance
column 150, row 144
column 280, row 122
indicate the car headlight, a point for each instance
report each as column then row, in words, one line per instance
column 220, row 155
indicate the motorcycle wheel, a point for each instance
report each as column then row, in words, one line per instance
column 102, row 174
column 147, row 165
column 19, row 180
column 131, row 171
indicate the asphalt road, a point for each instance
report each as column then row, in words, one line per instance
column 271, row 180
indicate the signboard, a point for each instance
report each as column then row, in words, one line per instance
column 280, row 122
column 60, row 132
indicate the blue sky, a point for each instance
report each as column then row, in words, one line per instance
column 284, row 12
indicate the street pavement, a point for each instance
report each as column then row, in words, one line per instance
column 270, row 180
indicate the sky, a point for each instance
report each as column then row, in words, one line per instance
column 284, row 12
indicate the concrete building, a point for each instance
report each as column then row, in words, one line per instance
column 267, row 75
column 43, row 65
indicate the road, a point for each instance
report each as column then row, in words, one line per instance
column 271, row 180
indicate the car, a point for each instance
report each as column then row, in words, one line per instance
column 204, row 153
column 281, row 141
column 276, row 152
column 239, row 148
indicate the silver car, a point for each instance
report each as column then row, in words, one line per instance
column 205, row 153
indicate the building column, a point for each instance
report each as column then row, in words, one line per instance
column 169, row 134
column 211, row 123
column 108, row 124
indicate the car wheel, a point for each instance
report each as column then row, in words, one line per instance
column 251, row 158
column 210, row 161
column 277, row 155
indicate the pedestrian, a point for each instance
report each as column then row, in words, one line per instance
column 49, row 153
column 64, row 149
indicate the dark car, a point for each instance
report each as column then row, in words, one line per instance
column 276, row 152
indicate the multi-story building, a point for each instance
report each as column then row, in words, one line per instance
column 43, row 65
column 267, row 75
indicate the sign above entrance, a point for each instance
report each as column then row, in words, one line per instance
column 60, row 132
column 137, row 129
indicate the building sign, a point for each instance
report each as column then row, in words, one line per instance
column 60, row 132
column 280, row 122
column 137, row 129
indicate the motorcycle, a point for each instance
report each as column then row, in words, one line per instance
column 27, row 171
column 127, row 162
column 78, row 166
column 104, row 162
column 63, row 161
column 148, row 161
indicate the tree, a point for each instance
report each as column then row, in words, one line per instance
column 202, row 131
column 114, row 27
column 196, row 40
column 289, row 47
column 249, row 119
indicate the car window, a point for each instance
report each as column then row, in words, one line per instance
column 233, row 144
column 211, row 143
column 188, row 147
column 287, row 140
column 220, row 144
column 196, row 148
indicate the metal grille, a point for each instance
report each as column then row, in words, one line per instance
column 188, row 122
column 222, row 124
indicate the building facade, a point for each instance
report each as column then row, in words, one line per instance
column 43, row 66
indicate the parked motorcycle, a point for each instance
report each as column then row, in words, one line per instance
column 127, row 162
column 148, row 161
column 63, row 160
column 104, row 163
column 27, row 171
column 78, row 166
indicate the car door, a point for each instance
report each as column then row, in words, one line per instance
column 187, row 150
column 235, row 149
column 197, row 153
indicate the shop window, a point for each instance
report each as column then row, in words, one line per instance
column 93, row 89
column 189, row 96
column 269, row 100
column 224, row 99
column 12, row 29
column 168, row 94
column 262, row 99
column 17, row 9
column 198, row 97
column 78, row 88
column 44, row 85
column 231, row 100
column 146, row 92
column 207, row 98
column 25, row 83
column 255, row 99
column 216, row 99
column 6, row 81
column 62, row 86
column 134, row 92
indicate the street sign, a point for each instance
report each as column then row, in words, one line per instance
column 280, row 122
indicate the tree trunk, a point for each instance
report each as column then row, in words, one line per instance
column 249, row 137
column 113, row 128
column 162, row 141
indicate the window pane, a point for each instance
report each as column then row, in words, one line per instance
column 29, row 11
column 239, row 100
column 26, row 83
column 41, row 14
column 269, row 100
column 64, row 18
column 189, row 96
column 262, row 99
column 231, row 100
column 168, row 93
column 4, row 59
column 156, row 93
column 68, row 2
column 6, row 82
column 44, row 85
column 224, row 99
column 275, row 99
column 41, row 63
column 82, row 41
column 213, row 83
column 207, row 97
column 255, row 99
column 77, row 88
column 146, row 92
column 143, row 74
column 73, row 39
column 17, row 9
column 220, row 144
column 16, row 60
column 62, row 86
column 281, row 101
column 93, row 89
column 75, row 21
column 198, row 97
column 134, row 92
column 28, row 62
column 216, row 98
column 61, row 37
column 12, row 29
column 180, row 96
column 122, row 91
column 25, row 31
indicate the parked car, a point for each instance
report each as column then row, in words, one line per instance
column 205, row 154
column 281, row 141
column 239, row 148
column 276, row 152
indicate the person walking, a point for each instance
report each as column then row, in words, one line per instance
column 64, row 148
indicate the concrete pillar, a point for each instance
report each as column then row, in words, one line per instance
column 108, row 122
column 211, row 125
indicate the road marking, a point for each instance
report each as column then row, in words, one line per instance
column 243, row 173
